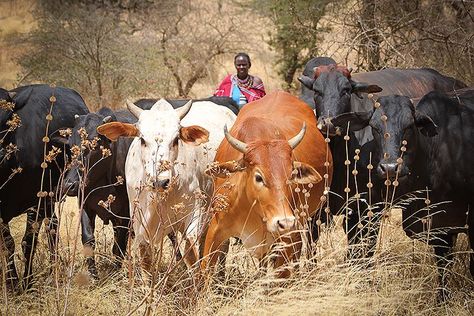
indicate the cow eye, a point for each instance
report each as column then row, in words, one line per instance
column 258, row 178
column 142, row 141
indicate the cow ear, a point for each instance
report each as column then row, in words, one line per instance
column 59, row 140
column 305, row 174
column 306, row 81
column 225, row 169
column 365, row 87
column 114, row 130
column 194, row 135
column 357, row 120
column 425, row 124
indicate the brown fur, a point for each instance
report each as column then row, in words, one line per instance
column 114, row 130
column 194, row 135
column 331, row 68
column 265, row 126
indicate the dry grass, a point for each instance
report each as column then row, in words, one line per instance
column 401, row 279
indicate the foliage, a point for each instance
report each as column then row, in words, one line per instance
column 109, row 52
column 192, row 38
column 297, row 33
column 81, row 49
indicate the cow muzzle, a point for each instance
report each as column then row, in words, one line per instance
column 161, row 185
column 327, row 127
column 282, row 224
column 387, row 170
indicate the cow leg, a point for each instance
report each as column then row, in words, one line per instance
column 120, row 244
column 29, row 243
column 290, row 253
column 88, row 240
column 471, row 241
column 214, row 246
column 52, row 233
column 174, row 243
column 191, row 253
column 8, row 251
column 146, row 256
column 443, row 245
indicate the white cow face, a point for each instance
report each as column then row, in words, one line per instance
column 159, row 136
column 158, row 133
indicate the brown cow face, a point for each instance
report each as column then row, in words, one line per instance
column 269, row 177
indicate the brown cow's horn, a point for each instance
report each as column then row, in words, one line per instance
column 136, row 111
column 234, row 142
column 182, row 111
column 298, row 138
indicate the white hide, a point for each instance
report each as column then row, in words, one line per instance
column 180, row 211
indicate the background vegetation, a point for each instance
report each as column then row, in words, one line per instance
column 112, row 49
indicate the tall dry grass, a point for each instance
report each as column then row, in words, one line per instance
column 400, row 279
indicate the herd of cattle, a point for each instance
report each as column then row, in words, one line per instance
column 351, row 145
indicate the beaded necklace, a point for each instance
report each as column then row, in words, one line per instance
column 245, row 83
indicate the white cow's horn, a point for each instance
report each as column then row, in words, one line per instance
column 234, row 142
column 298, row 138
column 136, row 111
column 182, row 111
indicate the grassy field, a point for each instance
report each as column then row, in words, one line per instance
column 401, row 279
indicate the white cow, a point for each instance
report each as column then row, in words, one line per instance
column 165, row 170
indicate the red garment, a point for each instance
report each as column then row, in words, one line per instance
column 255, row 92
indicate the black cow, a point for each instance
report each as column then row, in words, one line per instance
column 33, row 188
column 93, row 176
column 336, row 92
column 307, row 94
column 436, row 143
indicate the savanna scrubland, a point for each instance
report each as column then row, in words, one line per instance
column 113, row 50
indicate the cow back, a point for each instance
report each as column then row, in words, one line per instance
column 412, row 83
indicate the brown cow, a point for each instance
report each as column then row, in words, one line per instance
column 259, row 169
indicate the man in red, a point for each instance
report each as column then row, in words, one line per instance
column 242, row 87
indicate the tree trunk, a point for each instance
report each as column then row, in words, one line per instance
column 370, row 41
column 290, row 70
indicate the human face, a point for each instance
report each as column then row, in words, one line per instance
column 242, row 66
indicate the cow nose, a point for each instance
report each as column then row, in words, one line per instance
column 326, row 126
column 387, row 170
column 284, row 224
column 161, row 184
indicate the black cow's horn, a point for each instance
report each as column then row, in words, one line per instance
column 182, row 111
column 234, row 142
column 135, row 110
column 298, row 138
